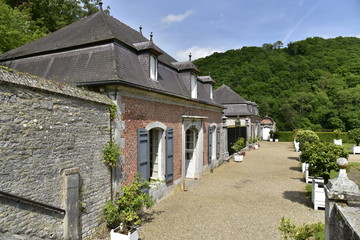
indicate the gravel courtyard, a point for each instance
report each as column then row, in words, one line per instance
column 237, row 201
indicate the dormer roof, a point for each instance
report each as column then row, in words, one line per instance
column 206, row 79
column 185, row 65
column 148, row 45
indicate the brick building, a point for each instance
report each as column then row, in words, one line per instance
column 168, row 124
column 242, row 116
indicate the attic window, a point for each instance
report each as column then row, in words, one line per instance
column 211, row 92
column 193, row 86
column 153, row 67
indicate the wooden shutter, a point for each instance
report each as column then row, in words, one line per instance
column 218, row 142
column 169, row 164
column 210, row 144
column 143, row 153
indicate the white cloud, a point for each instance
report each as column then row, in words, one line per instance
column 196, row 52
column 177, row 18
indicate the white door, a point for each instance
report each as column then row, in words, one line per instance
column 190, row 153
column 266, row 133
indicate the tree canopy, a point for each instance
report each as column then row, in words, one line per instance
column 312, row 84
column 23, row 21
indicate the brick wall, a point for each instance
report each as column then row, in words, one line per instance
column 138, row 113
column 47, row 127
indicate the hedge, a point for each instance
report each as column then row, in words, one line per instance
column 286, row 136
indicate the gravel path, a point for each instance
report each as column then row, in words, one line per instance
column 237, row 201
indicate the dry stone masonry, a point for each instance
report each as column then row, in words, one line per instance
column 48, row 129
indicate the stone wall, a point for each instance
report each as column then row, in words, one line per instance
column 47, row 128
column 345, row 219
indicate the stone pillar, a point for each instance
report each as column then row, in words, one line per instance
column 339, row 189
column 225, row 152
column 72, row 206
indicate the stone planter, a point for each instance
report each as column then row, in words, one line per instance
column 120, row 236
column 355, row 149
column 338, row 142
column 238, row 157
column 297, row 146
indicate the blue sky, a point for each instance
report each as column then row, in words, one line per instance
column 204, row 26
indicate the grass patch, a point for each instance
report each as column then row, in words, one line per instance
column 353, row 165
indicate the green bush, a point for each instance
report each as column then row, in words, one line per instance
column 276, row 135
column 239, row 144
column 354, row 134
column 337, row 133
column 286, row 136
column 125, row 212
column 289, row 230
column 322, row 157
column 111, row 153
column 306, row 136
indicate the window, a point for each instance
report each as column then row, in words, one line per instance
column 153, row 68
column 211, row 92
column 154, row 154
column 193, row 86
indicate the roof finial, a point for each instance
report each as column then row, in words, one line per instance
column 190, row 57
column 140, row 28
column 100, row 5
column 151, row 36
column 209, row 74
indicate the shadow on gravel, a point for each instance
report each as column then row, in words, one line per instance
column 294, row 158
column 298, row 197
column 295, row 169
column 149, row 216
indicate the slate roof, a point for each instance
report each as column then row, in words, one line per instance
column 99, row 27
column 206, row 79
column 99, row 49
column 226, row 95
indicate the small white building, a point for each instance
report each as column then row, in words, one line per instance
column 266, row 125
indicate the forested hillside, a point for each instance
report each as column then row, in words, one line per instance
column 314, row 83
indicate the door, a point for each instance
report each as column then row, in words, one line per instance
column 190, row 152
column 266, row 133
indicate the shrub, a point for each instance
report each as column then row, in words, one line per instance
column 286, row 136
column 125, row 212
column 306, row 136
column 322, row 157
column 239, row 144
column 306, row 231
column 276, row 135
column 271, row 134
column 111, row 153
column 337, row 133
column 354, row 134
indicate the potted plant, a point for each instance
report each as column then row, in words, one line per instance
column 271, row 135
column 354, row 134
column 256, row 142
column 123, row 216
column 238, row 146
column 276, row 136
column 305, row 136
column 337, row 140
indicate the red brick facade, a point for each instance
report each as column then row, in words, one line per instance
column 139, row 113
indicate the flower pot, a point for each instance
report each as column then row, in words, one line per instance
column 238, row 157
column 338, row 142
column 120, row 236
column 271, row 139
column 297, row 146
column 355, row 149
column 276, row 140
column 256, row 146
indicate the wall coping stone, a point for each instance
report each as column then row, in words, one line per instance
column 351, row 215
column 11, row 76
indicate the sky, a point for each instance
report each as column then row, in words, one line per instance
column 202, row 27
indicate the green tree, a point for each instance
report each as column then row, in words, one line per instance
column 16, row 28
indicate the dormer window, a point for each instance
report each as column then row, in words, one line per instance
column 193, row 86
column 153, row 67
column 211, row 92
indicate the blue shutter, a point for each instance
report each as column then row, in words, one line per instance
column 218, row 142
column 169, row 165
column 210, row 143
column 143, row 153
